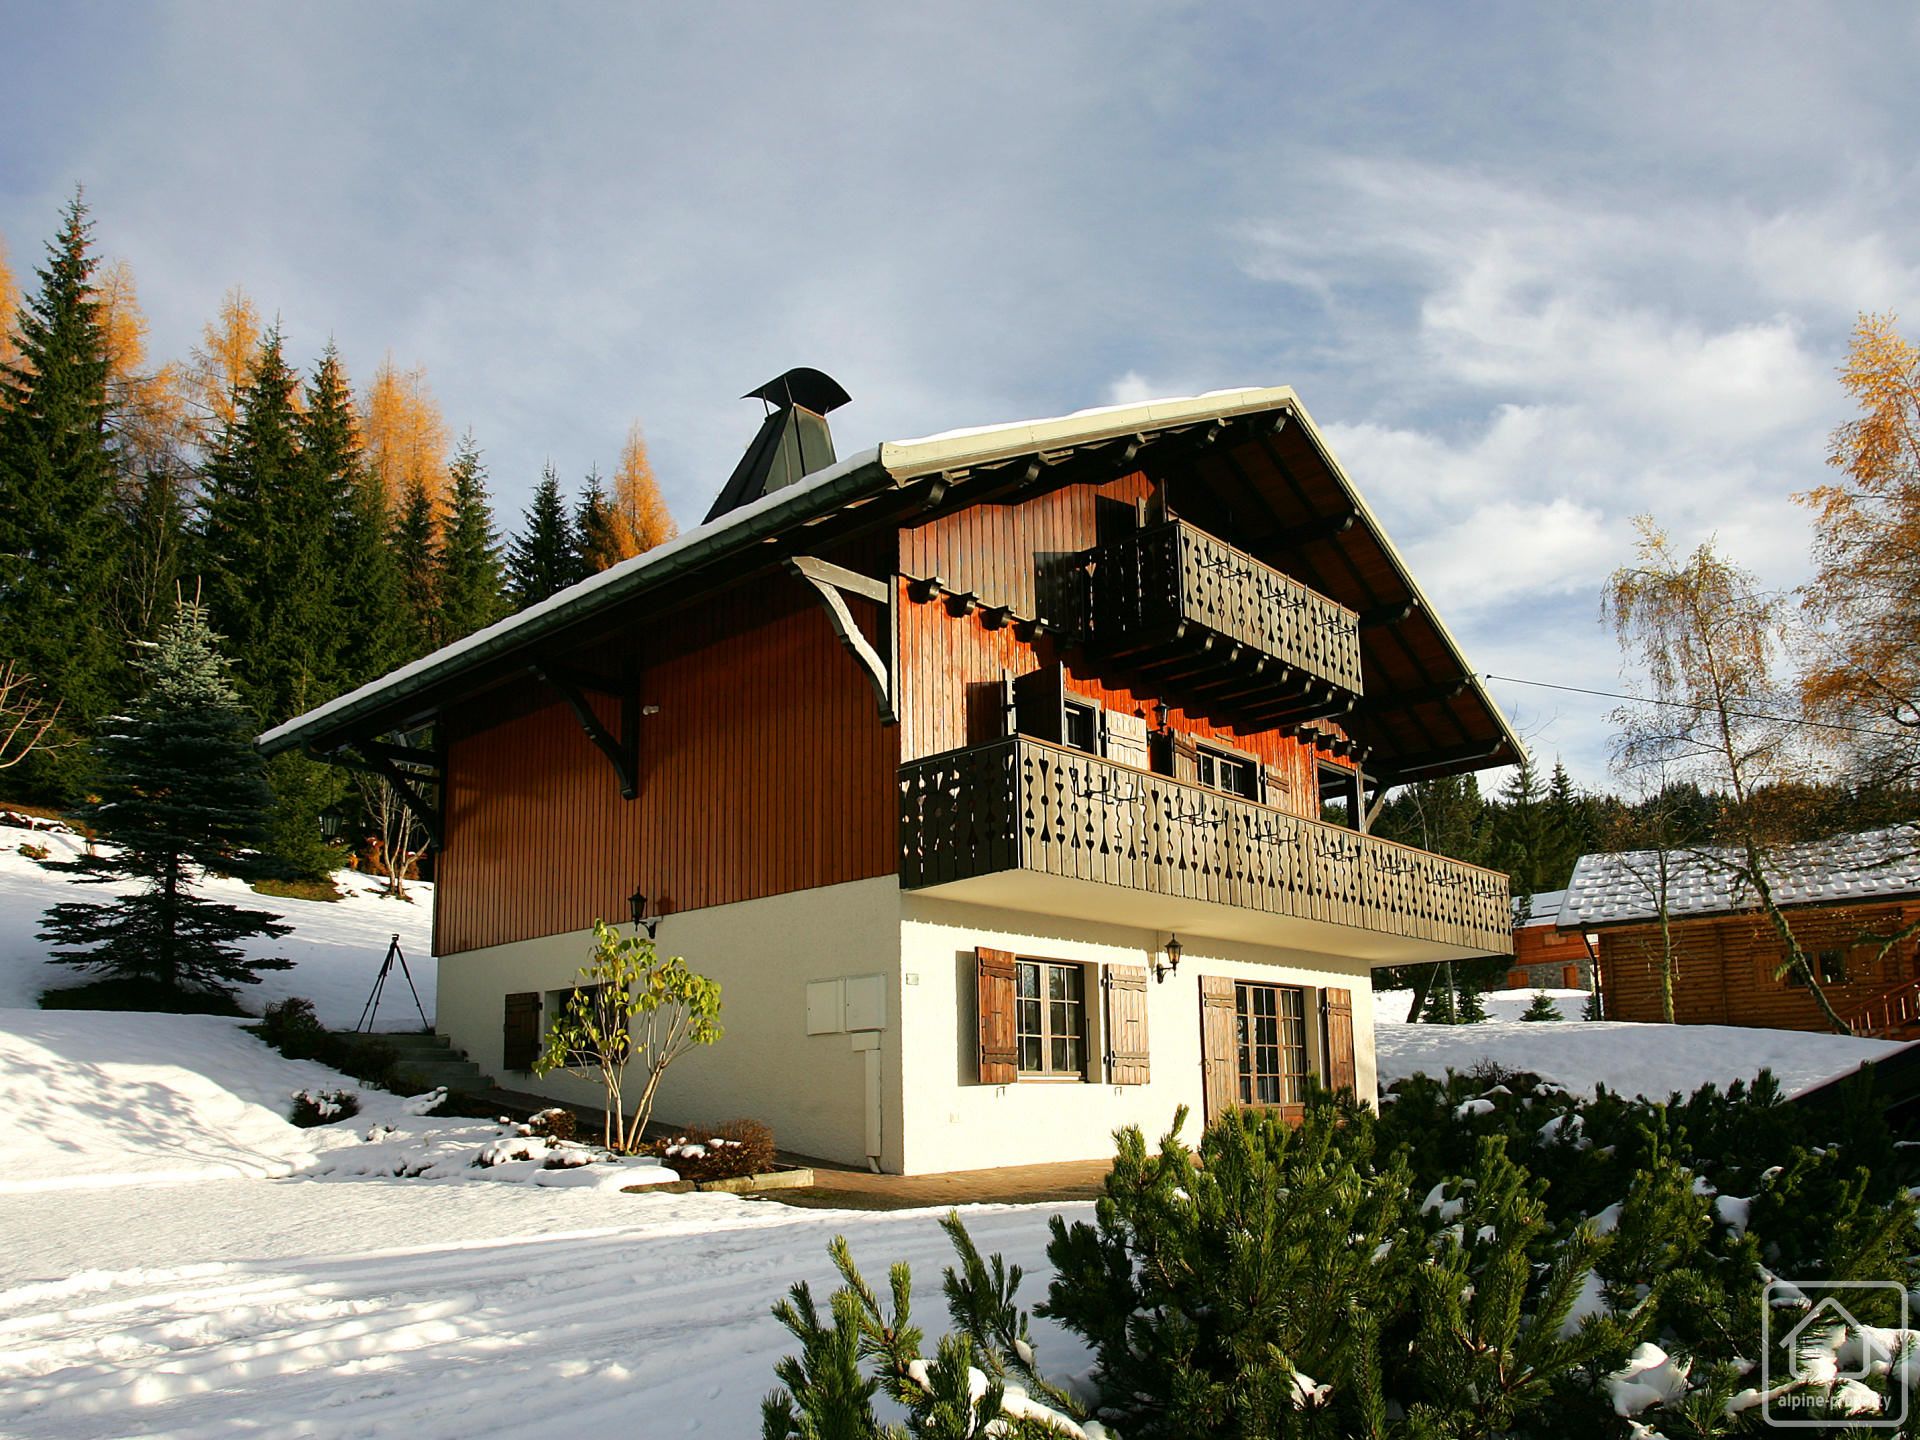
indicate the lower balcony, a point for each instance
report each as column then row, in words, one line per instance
column 1031, row 826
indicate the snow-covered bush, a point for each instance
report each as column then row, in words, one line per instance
column 553, row 1124
column 739, row 1147
column 323, row 1107
column 1491, row 1256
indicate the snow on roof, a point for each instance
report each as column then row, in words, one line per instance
column 1540, row 908
column 1623, row 887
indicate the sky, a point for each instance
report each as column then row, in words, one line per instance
column 1533, row 269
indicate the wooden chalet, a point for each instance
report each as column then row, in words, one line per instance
column 1844, row 896
column 1013, row 782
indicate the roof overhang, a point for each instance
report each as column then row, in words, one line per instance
column 897, row 478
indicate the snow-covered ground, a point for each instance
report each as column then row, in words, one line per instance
column 1634, row 1059
column 336, row 945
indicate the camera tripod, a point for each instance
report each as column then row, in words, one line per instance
column 394, row 952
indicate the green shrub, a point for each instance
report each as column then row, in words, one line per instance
column 1481, row 1259
column 1543, row 1008
column 292, row 1028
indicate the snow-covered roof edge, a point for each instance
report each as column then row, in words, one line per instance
column 1864, row 867
column 893, row 462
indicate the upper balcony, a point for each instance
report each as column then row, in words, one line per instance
column 1174, row 601
column 1037, row 827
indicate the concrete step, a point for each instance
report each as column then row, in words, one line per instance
column 431, row 1060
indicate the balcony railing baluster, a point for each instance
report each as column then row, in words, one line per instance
column 1021, row 804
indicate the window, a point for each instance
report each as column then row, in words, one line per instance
column 1270, row 1029
column 1050, row 1020
column 1081, row 726
column 1231, row 773
column 1832, row 967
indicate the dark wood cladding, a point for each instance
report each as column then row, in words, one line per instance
column 1022, row 804
column 1723, row 968
column 766, row 770
column 952, row 674
column 1171, row 589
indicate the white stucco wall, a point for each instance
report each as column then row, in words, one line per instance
column 811, row 1089
column 955, row 1123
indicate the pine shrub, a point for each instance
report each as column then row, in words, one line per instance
column 1542, row 1008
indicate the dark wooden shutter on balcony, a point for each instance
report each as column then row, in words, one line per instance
column 1336, row 1009
column 1218, row 1053
column 1040, row 703
column 999, row 1057
column 520, row 1033
column 1126, row 1024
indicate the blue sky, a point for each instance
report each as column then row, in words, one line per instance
column 1534, row 269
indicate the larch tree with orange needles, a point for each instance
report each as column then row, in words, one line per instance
column 222, row 364
column 9, row 305
column 638, row 511
column 405, row 440
column 1864, row 601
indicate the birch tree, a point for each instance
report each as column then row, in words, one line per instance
column 1708, row 642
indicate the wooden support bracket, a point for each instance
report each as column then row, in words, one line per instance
column 835, row 583
column 380, row 759
column 623, row 752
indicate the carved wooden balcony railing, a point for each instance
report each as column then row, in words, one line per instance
column 1174, row 601
column 1025, row 805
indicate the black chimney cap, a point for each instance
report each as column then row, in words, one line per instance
column 803, row 386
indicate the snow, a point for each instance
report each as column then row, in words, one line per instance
column 197, row 1265
column 336, row 945
column 1627, row 1057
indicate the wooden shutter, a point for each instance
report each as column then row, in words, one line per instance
column 520, row 1032
column 1040, row 703
column 1009, row 706
column 1126, row 987
column 1336, row 1011
column 1125, row 738
column 999, row 1053
column 1219, row 1055
column 1186, row 759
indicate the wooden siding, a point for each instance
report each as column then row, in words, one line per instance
column 951, row 681
column 1723, row 968
column 766, row 770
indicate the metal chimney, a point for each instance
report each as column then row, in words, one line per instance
column 793, row 441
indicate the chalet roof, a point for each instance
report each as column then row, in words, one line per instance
column 1425, row 712
column 1541, row 908
column 1622, row 888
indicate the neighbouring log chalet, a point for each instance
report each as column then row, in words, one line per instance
column 1844, row 897
column 992, row 774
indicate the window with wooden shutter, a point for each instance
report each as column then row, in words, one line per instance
column 520, row 1038
column 999, row 1061
column 1126, row 987
column 1217, row 1047
column 1336, row 1009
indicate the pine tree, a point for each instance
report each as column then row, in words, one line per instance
column 1520, row 829
column 181, row 792
column 59, row 554
column 370, row 636
column 470, row 580
column 1542, row 1008
column 593, row 529
column 416, row 551
column 543, row 558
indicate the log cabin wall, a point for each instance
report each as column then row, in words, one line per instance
column 766, row 770
column 1723, row 967
column 1019, row 557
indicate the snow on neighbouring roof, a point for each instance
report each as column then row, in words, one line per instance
column 1540, row 908
column 1612, row 889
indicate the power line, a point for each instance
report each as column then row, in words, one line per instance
column 1702, row 709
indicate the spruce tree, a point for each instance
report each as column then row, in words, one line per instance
column 544, row 557
column 470, row 580
column 1571, row 828
column 1520, row 830
column 58, row 532
column 593, row 529
column 181, row 792
column 416, row 552
column 369, row 633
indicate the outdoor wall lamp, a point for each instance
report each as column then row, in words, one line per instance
column 637, row 904
column 1174, row 950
